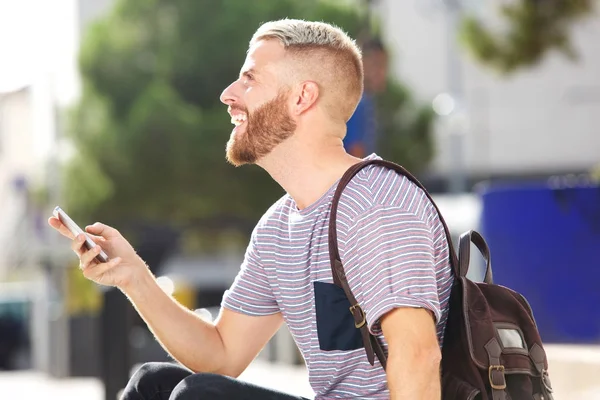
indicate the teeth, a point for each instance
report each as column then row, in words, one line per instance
column 238, row 119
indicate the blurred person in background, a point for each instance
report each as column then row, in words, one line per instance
column 297, row 89
column 362, row 133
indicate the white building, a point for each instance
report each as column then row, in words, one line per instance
column 541, row 120
column 38, row 80
column 39, row 44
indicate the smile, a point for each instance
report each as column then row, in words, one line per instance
column 238, row 119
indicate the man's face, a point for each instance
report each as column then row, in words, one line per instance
column 258, row 105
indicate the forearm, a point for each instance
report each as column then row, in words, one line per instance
column 193, row 342
column 414, row 376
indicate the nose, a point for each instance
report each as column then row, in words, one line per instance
column 228, row 96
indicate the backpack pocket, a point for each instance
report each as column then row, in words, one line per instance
column 335, row 324
column 457, row 389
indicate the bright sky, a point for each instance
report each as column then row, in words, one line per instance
column 37, row 38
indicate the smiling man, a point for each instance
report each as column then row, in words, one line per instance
column 300, row 84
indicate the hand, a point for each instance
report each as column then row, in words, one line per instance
column 124, row 264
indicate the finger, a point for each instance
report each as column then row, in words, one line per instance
column 97, row 239
column 59, row 226
column 88, row 256
column 94, row 271
column 77, row 245
column 56, row 224
column 101, row 230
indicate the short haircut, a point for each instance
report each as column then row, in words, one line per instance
column 326, row 54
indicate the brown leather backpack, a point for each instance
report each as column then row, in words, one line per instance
column 492, row 348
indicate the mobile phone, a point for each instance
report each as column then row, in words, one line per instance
column 76, row 230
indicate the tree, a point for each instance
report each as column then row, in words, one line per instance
column 406, row 128
column 149, row 128
column 534, row 27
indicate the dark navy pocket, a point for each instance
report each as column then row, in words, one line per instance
column 335, row 324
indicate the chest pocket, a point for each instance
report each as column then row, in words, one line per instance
column 335, row 324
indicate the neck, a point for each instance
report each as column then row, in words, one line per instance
column 306, row 169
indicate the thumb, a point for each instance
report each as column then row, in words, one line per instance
column 101, row 230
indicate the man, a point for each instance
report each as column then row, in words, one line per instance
column 298, row 87
column 362, row 130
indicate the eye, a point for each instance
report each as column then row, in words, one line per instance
column 248, row 78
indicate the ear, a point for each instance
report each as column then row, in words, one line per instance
column 306, row 97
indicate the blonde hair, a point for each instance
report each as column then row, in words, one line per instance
column 328, row 54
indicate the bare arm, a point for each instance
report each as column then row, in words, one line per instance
column 226, row 347
column 413, row 367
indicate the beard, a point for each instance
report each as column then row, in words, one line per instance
column 266, row 127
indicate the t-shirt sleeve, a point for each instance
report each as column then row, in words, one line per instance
column 251, row 292
column 389, row 261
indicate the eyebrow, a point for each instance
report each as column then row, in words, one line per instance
column 246, row 73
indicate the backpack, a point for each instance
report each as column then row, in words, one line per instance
column 492, row 348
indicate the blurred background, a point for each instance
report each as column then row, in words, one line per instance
column 110, row 109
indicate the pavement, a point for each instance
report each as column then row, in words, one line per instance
column 32, row 385
column 26, row 385
column 574, row 370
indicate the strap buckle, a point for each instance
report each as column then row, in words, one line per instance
column 499, row 368
column 361, row 323
column 546, row 381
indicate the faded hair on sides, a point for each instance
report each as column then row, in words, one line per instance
column 327, row 54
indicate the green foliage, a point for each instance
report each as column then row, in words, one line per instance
column 82, row 295
column 150, row 131
column 407, row 128
column 534, row 27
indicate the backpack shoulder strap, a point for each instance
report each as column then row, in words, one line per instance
column 372, row 346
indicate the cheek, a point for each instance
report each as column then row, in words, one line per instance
column 251, row 100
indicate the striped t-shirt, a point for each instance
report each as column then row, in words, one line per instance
column 395, row 254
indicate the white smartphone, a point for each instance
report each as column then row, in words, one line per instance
column 76, row 230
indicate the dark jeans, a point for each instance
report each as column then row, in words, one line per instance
column 167, row 381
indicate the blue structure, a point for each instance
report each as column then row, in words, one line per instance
column 545, row 244
column 362, row 128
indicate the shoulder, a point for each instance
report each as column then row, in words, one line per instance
column 267, row 227
column 276, row 215
column 378, row 188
